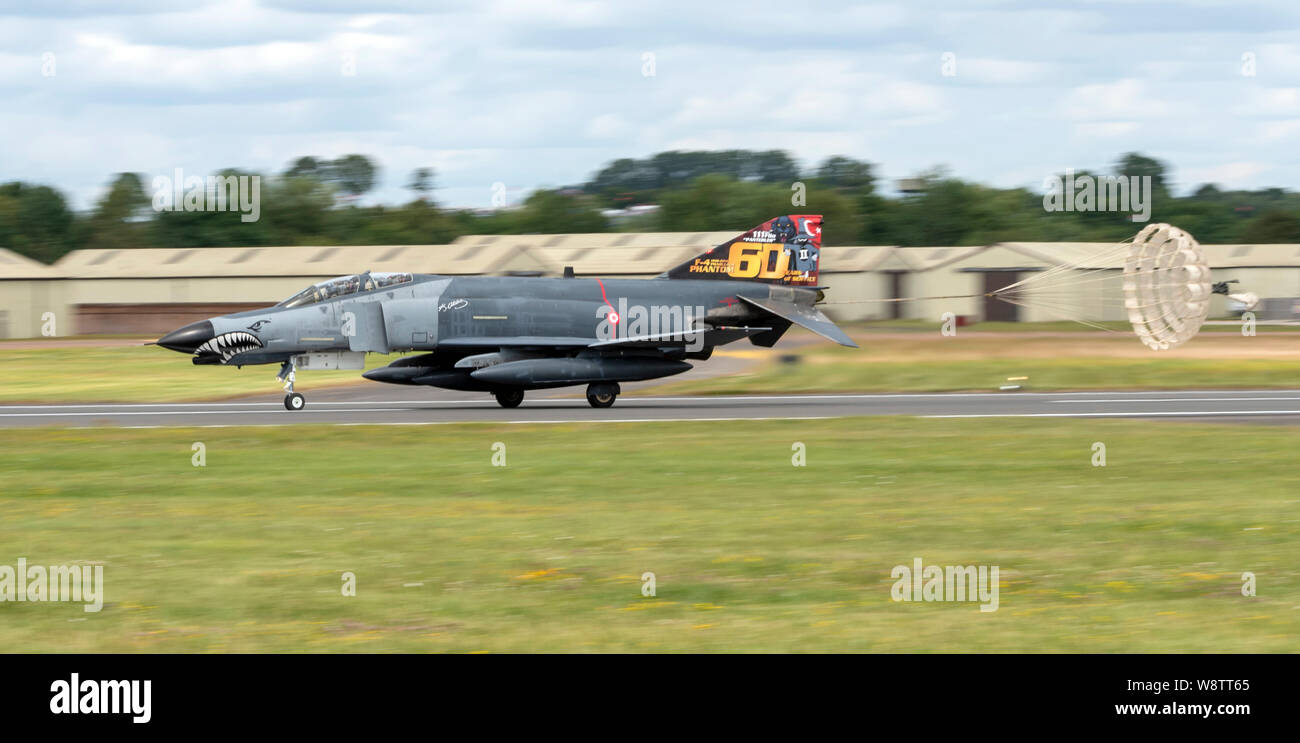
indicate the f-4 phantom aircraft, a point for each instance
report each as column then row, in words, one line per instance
column 506, row 335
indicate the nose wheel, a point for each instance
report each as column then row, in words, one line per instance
column 602, row 395
column 292, row 400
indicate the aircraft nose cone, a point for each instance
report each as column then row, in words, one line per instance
column 189, row 338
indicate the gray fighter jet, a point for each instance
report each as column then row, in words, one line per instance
column 505, row 335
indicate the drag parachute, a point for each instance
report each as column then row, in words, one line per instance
column 1164, row 289
column 1159, row 281
column 1166, row 286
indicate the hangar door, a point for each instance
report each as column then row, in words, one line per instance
column 895, row 292
column 995, row 310
column 149, row 319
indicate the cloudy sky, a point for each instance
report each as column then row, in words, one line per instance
column 531, row 93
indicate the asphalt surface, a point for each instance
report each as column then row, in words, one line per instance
column 393, row 405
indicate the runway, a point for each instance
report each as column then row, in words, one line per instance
column 407, row 406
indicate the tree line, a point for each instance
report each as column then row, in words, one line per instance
column 315, row 201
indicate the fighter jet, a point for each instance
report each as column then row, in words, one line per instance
column 507, row 335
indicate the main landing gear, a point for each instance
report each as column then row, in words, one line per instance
column 292, row 400
column 602, row 395
column 509, row 398
column 599, row 395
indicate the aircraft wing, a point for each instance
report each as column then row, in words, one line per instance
column 680, row 338
column 807, row 316
column 515, row 341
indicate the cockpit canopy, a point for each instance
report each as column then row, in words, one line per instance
column 343, row 286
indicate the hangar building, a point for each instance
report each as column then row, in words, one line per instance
column 151, row 291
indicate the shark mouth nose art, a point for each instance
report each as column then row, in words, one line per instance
column 229, row 345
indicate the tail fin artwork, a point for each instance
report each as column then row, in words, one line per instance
column 783, row 250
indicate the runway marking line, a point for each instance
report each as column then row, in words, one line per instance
column 1190, row 397
column 1196, row 399
column 708, row 398
column 1149, row 414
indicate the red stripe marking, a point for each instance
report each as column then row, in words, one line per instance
column 605, row 299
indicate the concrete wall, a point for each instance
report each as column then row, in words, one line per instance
column 147, row 319
column 153, row 306
column 200, row 290
column 23, row 304
column 850, row 289
column 1266, row 282
column 941, row 283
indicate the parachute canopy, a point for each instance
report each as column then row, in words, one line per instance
column 1163, row 289
column 1166, row 286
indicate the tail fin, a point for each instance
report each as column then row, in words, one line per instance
column 782, row 250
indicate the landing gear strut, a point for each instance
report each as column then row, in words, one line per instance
column 602, row 395
column 509, row 398
column 292, row 400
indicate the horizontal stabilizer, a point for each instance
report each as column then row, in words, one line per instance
column 807, row 316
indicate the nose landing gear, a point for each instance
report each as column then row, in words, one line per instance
column 292, row 400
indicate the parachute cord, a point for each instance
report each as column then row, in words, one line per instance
column 998, row 295
column 910, row 299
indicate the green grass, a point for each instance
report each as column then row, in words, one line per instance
column 141, row 374
column 1053, row 326
column 930, row 362
column 889, row 361
column 831, row 373
column 750, row 553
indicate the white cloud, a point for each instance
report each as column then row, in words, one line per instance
column 1277, row 61
column 1275, row 102
column 1125, row 99
column 904, row 100
column 992, row 71
column 1105, row 128
column 528, row 92
column 1228, row 175
column 606, row 126
column 1273, row 131
column 573, row 14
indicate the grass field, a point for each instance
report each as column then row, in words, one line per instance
column 1228, row 326
column 897, row 358
column 749, row 552
column 930, row 362
column 890, row 360
column 140, row 374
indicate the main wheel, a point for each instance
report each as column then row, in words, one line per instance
column 602, row 395
column 294, row 401
column 509, row 398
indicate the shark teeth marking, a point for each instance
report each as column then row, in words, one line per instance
column 229, row 345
